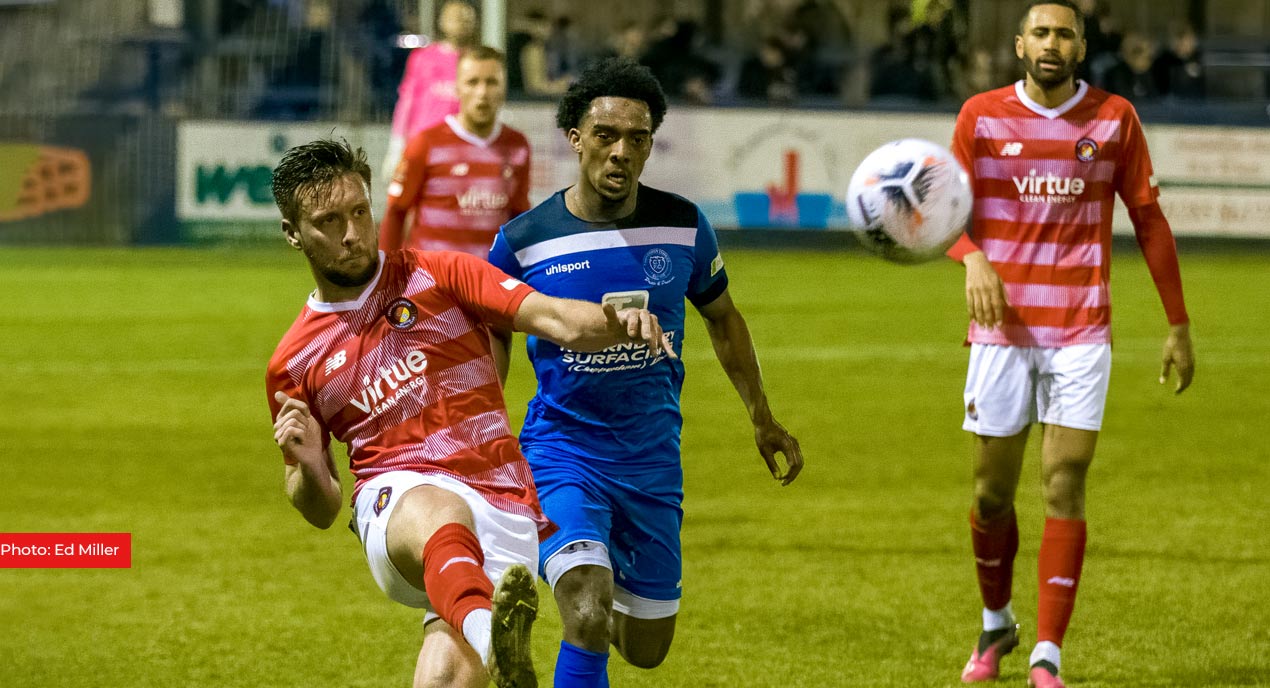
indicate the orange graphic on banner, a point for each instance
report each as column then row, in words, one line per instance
column 35, row 180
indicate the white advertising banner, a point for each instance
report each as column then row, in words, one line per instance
column 223, row 169
column 1214, row 181
column 745, row 168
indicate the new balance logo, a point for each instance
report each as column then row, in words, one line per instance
column 1012, row 149
column 335, row 361
column 1060, row 580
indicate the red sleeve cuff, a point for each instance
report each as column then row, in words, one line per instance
column 519, row 294
column 964, row 247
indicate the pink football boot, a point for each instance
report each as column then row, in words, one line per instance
column 1041, row 675
column 985, row 664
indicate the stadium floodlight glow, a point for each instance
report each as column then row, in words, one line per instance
column 412, row 40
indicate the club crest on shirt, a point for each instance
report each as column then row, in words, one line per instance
column 1086, row 150
column 657, row 267
column 382, row 499
column 402, row 314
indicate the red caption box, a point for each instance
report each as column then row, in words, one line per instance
column 65, row 550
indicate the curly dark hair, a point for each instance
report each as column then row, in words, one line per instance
column 617, row 77
column 309, row 170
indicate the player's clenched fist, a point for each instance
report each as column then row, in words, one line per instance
column 296, row 431
column 639, row 325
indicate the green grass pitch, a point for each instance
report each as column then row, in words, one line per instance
column 131, row 400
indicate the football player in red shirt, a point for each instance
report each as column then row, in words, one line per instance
column 1047, row 156
column 465, row 176
column 392, row 356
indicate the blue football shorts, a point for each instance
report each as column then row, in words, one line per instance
column 637, row 517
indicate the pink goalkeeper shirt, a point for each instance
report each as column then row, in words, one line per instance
column 426, row 94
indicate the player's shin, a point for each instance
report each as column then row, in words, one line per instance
column 579, row 668
column 996, row 542
column 1061, row 557
column 458, row 588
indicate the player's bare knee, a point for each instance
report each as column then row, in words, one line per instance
column 992, row 502
column 585, row 598
column 588, row 617
column 1064, row 494
column 439, row 677
column 643, row 659
column 1065, row 474
column 646, row 653
column 448, row 670
column 431, row 506
column 418, row 514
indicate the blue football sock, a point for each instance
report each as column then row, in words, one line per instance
column 579, row 668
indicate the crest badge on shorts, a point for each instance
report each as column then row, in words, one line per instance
column 402, row 314
column 1086, row 150
column 382, row 499
column 658, row 267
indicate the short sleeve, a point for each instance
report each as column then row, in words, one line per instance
column 1135, row 176
column 709, row 279
column 502, row 257
column 481, row 289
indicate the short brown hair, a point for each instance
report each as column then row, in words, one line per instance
column 309, row 170
column 484, row 52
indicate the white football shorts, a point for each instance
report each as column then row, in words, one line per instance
column 505, row 538
column 1011, row 387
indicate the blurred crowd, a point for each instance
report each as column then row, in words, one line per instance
column 781, row 52
column 809, row 50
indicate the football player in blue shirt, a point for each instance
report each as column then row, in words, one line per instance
column 602, row 432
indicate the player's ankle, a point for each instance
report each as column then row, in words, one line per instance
column 998, row 619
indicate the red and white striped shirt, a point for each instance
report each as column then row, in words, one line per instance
column 404, row 375
column 1045, row 182
column 461, row 188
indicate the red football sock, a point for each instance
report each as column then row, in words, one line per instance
column 452, row 574
column 1062, row 553
column 995, row 544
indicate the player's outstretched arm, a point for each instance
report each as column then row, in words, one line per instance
column 1178, row 354
column 311, row 480
column 985, row 292
column 735, row 349
column 585, row 326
